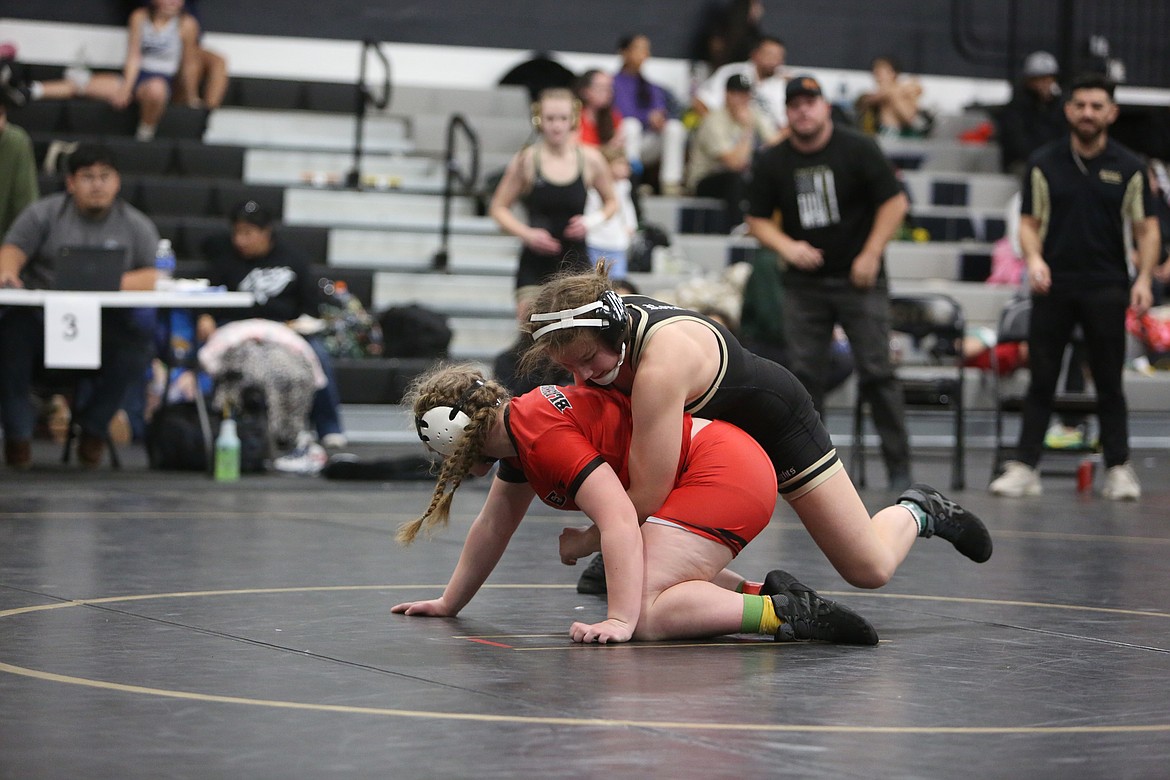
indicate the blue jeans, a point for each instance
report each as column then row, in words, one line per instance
column 326, row 412
column 126, row 351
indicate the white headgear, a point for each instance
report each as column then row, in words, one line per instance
column 441, row 428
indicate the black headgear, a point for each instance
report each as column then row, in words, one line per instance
column 609, row 315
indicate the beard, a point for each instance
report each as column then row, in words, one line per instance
column 1088, row 134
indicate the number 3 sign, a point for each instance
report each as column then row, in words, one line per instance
column 73, row 332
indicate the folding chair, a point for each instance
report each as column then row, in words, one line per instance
column 934, row 322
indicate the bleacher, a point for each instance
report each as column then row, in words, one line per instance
column 289, row 144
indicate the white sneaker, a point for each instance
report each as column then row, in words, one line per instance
column 308, row 457
column 1018, row 479
column 1121, row 484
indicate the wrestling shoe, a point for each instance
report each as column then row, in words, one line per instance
column 808, row 616
column 947, row 519
column 592, row 580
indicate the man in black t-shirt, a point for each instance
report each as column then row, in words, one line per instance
column 252, row 259
column 1079, row 194
column 838, row 204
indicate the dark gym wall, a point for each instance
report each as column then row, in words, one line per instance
column 948, row 37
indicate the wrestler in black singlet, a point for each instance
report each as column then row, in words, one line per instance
column 551, row 206
column 760, row 397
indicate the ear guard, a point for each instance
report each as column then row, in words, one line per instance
column 611, row 319
column 442, row 427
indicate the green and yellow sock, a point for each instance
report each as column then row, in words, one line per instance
column 759, row 616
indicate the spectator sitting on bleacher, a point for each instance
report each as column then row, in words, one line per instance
column 252, row 259
column 764, row 71
column 211, row 73
column 89, row 214
column 1034, row 116
column 162, row 46
column 724, row 146
column 601, row 122
column 651, row 133
column 892, row 109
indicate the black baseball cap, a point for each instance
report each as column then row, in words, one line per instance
column 252, row 212
column 739, row 83
column 802, row 86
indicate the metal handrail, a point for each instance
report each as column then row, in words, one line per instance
column 455, row 175
column 363, row 98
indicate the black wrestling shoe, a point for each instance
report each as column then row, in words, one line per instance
column 593, row 578
column 808, row 616
column 947, row 519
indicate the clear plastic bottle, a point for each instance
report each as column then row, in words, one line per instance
column 227, row 450
column 164, row 263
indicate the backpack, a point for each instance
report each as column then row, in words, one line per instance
column 177, row 440
column 414, row 331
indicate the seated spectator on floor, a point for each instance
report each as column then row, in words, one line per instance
column 892, row 108
column 1034, row 116
column 162, row 47
column 251, row 258
column 652, row 134
column 724, row 145
column 764, row 72
column 89, row 213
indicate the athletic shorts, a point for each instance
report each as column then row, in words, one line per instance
column 727, row 491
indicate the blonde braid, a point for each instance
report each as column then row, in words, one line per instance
column 445, row 386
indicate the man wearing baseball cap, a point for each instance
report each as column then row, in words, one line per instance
column 252, row 258
column 1035, row 114
column 723, row 146
column 838, row 203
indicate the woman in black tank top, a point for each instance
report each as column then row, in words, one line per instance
column 551, row 179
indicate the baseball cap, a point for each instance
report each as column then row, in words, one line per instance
column 739, row 83
column 802, row 86
column 1040, row 63
column 252, row 212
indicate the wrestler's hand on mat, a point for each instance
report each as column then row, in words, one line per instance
column 606, row 632
column 578, row 543
column 432, row 608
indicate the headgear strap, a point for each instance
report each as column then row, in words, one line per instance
column 566, row 318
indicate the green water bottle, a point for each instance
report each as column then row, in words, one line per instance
column 227, row 450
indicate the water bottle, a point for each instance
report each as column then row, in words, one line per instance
column 164, row 263
column 227, row 451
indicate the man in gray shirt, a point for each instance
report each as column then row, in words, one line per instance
column 90, row 213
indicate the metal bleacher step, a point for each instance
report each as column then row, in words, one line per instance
column 276, row 129
column 396, row 250
column 463, row 294
column 407, row 172
column 376, row 209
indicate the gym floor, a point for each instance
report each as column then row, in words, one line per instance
column 162, row 625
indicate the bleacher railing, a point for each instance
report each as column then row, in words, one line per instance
column 364, row 97
column 456, row 176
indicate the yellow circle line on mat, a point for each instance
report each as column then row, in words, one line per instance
column 539, row 720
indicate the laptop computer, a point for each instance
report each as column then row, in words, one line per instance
column 90, row 268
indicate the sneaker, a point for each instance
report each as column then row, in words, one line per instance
column 808, row 616
column 592, row 580
column 15, row 93
column 18, row 454
column 334, row 441
column 950, row 521
column 1017, row 480
column 1064, row 437
column 1121, row 484
column 308, row 458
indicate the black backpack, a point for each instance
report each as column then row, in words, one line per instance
column 414, row 331
column 175, row 438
